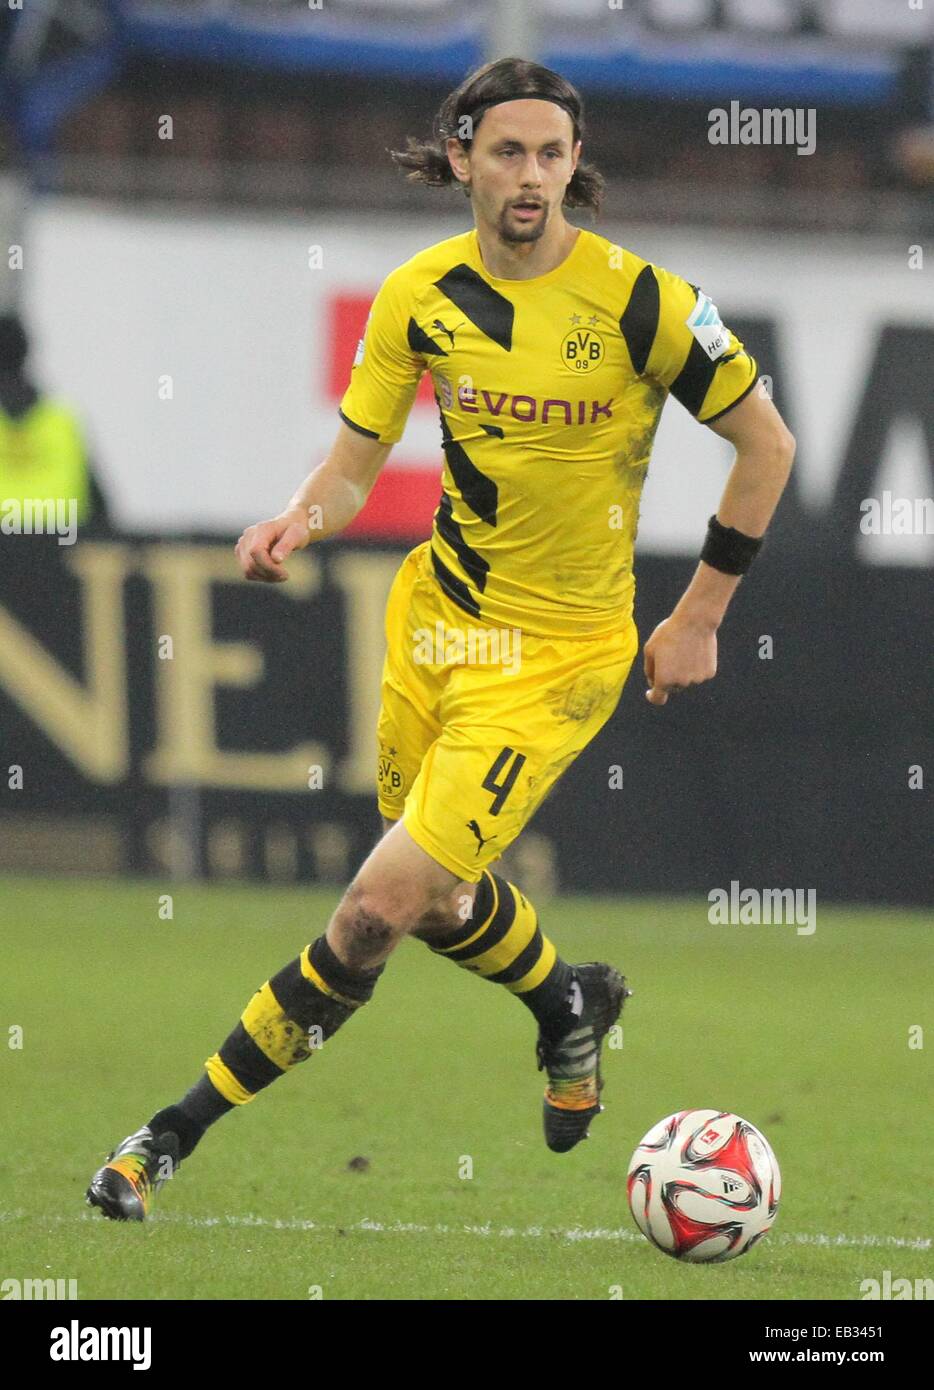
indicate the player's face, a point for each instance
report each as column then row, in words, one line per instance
column 523, row 153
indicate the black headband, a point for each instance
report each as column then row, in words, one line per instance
column 484, row 106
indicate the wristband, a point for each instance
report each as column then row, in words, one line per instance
column 729, row 550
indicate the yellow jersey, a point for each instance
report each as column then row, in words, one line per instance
column 549, row 392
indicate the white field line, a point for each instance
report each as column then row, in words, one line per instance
column 572, row 1233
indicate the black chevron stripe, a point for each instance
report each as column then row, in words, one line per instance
column 478, row 491
column 473, row 565
column 455, row 588
column 490, row 311
column 420, row 342
column 692, row 383
column 639, row 321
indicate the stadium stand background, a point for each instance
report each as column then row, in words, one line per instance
column 274, row 104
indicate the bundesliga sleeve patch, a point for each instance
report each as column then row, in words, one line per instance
column 705, row 323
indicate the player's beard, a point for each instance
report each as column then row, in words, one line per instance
column 517, row 233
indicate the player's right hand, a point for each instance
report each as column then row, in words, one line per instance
column 263, row 547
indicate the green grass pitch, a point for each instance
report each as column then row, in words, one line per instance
column 806, row 1036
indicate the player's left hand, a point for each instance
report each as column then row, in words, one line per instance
column 680, row 652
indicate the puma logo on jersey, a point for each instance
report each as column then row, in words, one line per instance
column 449, row 331
column 472, row 825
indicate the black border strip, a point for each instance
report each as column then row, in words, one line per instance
column 371, row 434
column 755, row 382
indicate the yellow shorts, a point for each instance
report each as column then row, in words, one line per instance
column 478, row 723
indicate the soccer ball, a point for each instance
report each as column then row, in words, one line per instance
column 704, row 1186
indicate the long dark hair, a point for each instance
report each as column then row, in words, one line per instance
column 506, row 79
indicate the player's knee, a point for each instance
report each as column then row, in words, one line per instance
column 445, row 914
column 377, row 911
column 434, row 916
column 435, row 920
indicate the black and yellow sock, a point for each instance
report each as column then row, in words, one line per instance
column 503, row 943
column 287, row 1019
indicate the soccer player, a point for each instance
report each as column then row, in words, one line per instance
column 510, row 632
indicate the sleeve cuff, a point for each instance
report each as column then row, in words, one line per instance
column 741, row 397
column 370, row 434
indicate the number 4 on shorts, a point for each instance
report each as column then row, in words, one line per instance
column 503, row 788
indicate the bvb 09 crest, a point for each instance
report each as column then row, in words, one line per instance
column 582, row 349
column 389, row 777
